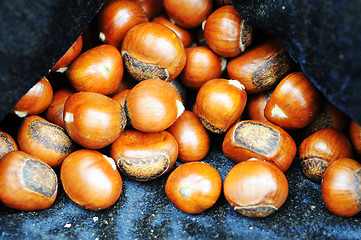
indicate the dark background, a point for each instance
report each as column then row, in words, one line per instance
column 322, row 37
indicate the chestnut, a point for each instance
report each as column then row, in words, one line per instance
column 194, row 187
column 329, row 117
column 341, row 187
column 36, row 100
column 55, row 111
column 181, row 90
column 116, row 18
column 7, row 144
column 220, row 103
column 256, row 104
column 201, row 66
column 99, row 69
column 144, row 156
column 259, row 139
column 152, row 8
column 152, row 50
column 45, row 140
column 121, row 96
column 91, row 179
column 93, row 120
column 354, row 132
column 62, row 64
column 317, row 151
column 226, row 33
column 255, row 188
column 294, row 103
column 153, row 105
column 184, row 35
column 26, row 182
column 261, row 67
column 192, row 138
column 188, row 13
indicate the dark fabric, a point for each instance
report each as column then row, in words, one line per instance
column 33, row 35
column 324, row 37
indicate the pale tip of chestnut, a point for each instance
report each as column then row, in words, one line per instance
column 203, row 24
column 105, row 69
column 241, row 45
column 21, row 114
column 277, row 112
column 102, row 37
column 68, row 117
column 111, row 161
column 223, row 63
column 180, row 108
column 237, row 84
column 62, row 70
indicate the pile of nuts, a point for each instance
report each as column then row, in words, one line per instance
column 123, row 110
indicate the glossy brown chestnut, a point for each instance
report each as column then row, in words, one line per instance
column 261, row 67
column 7, row 144
column 151, row 50
column 55, row 111
column 317, row 151
column 226, row 33
column 26, row 182
column 220, row 103
column 74, row 51
column 153, row 105
column 329, row 117
column 45, row 140
column 116, row 18
column 355, row 136
column 99, row 69
column 294, row 103
column 184, row 35
column 188, row 13
column 144, row 156
column 192, row 138
column 151, row 7
column 121, row 96
column 340, row 187
column 91, row 179
column 262, row 140
column 93, row 120
column 194, row 187
column 255, row 188
column 201, row 66
column 36, row 100
column 256, row 104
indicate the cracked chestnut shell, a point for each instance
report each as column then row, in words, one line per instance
column 153, row 51
column 220, row 103
column 144, row 156
column 45, row 140
column 261, row 67
column 26, row 182
column 255, row 188
column 194, row 187
column 262, row 140
column 341, row 191
column 317, row 151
